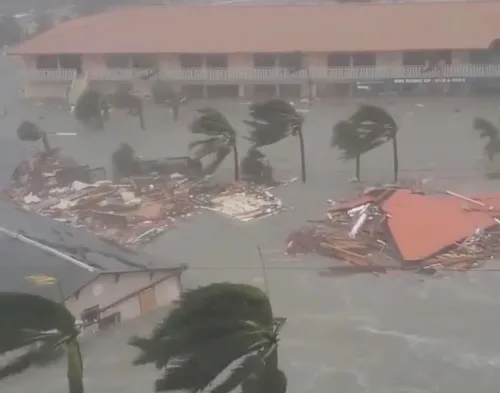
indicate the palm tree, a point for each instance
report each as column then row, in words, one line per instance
column 274, row 120
column 28, row 131
column 123, row 98
column 221, row 139
column 92, row 109
column 368, row 128
column 43, row 326
column 488, row 130
column 164, row 94
column 209, row 329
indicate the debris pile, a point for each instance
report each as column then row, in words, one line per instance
column 401, row 229
column 130, row 213
column 246, row 202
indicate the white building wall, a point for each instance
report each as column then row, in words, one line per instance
column 106, row 290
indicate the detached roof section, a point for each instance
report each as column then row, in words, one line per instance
column 286, row 28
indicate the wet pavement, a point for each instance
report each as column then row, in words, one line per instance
column 397, row 333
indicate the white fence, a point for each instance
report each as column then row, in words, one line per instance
column 256, row 75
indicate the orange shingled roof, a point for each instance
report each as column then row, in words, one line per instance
column 286, row 28
column 423, row 225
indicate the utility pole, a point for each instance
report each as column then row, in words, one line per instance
column 264, row 271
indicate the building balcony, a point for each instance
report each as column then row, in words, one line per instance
column 275, row 75
column 49, row 75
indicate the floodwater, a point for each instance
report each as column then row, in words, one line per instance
column 397, row 333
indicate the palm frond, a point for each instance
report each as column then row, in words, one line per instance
column 345, row 136
column 368, row 128
column 486, row 128
column 209, row 361
column 88, row 106
column 39, row 327
column 211, row 122
column 252, row 364
column 181, row 342
column 24, row 312
column 221, row 301
column 272, row 121
column 205, row 147
column 220, row 156
column 28, row 131
column 375, row 115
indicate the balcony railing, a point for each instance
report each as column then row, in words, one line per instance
column 278, row 75
column 56, row 74
column 118, row 74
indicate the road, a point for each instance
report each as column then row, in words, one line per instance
column 397, row 333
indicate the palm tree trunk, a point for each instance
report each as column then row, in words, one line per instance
column 395, row 158
column 45, row 142
column 358, row 167
column 310, row 85
column 75, row 367
column 140, row 109
column 302, row 155
column 236, row 164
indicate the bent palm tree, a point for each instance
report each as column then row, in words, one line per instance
column 488, row 130
column 92, row 109
column 221, row 140
column 274, row 120
column 28, row 131
column 164, row 94
column 368, row 128
column 30, row 320
column 209, row 329
column 123, row 98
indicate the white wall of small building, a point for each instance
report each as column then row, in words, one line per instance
column 107, row 290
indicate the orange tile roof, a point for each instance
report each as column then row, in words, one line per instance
column 285, row 28
column 423, row 225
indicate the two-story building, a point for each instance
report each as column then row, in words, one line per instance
column 285, row 50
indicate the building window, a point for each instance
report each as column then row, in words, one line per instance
column 290, row 60
column 414, row 58
column 480, row 57
column 112, row 319
column 90, row 315
column 73, row 62
column 339, row 60
column 216, row 61
column 429, row 59
column 439, row 57
column 144, row 61
column 264, row 60
column 366, row 59
column 118, row 61
column 46, row 61
column 191, row 60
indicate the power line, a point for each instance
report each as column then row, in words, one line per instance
column 343, row 269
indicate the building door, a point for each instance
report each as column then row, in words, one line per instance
column 147, row 300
